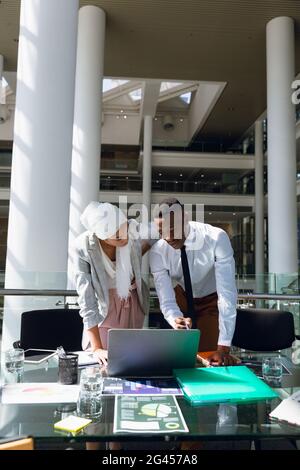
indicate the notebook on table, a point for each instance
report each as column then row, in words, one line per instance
column 236, row 384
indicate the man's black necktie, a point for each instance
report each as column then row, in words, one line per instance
column 188, row 285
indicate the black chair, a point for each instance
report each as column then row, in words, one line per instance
column 264, row 330
column 48, row 329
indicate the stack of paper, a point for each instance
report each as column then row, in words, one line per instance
column 288, row 410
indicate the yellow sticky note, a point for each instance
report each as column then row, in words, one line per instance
column 72, row 423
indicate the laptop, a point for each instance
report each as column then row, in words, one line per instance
column 150, row 352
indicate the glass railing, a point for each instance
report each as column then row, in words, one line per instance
column 203, row 146
column 114, row 164
column 43, row 290
column 281, row 291
column 5, row 180
column 118, row 183
column 49, row 290
column 5, row 158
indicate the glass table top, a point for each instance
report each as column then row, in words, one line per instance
column 205, row 422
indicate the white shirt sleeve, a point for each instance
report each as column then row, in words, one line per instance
column 164, row 288
column 226, row 288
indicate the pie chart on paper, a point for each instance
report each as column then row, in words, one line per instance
column 156, row 410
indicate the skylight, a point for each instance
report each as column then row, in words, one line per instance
column 110, row 84
column 186, row 97
column 165, row 86
column 136, row 95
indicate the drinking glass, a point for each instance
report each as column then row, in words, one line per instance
column 272, row 370
column 14, row 360
column 89, row 403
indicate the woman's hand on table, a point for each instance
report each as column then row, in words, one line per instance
column 101, row 356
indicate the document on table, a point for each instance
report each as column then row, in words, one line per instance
column 86, row 358
column 148, row 414
column 39, row 393
column 288, row 410
column 117, row 386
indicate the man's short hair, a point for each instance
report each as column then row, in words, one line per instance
column 166, row 206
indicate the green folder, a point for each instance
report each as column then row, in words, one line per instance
column 236, row 384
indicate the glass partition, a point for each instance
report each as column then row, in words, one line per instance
column 242, row 186
column 50, row 291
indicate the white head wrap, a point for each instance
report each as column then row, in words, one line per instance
column 104, row 220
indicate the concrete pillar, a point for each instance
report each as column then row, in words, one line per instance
column 282, row 201
column 147, row 187
column 87, row 119
column 147, row 162
column 259, row 206
column 37, row 244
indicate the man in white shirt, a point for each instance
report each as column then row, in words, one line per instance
column 210, row 296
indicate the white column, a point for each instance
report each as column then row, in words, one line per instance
column 147, row 186
column 282, row 203
column 87, row 118
column 1, row 72
column 37, row 244
column 259, row 198
column 1, row 66
column 259, row 209
column 147, row 162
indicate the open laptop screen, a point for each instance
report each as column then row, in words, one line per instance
column 150, row 352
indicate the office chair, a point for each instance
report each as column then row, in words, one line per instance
column 48, row 329
column 264, row 330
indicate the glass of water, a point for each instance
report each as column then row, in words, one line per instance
column 89, row 404
column 14, row 360
column 272, row 370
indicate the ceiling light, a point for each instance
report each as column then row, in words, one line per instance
column 155, row 119
column 159, row 174
column 118, row 117
column 108, row 177
column 125, row 116
column 215, row 183
column 233, row 213
column 181, row 119
column 157, row 181
column 122, row 111
column 202, row 176
column 176, row 182
column 196, row 182
column 210, row 213
column 181, row 174
column 127, row 177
